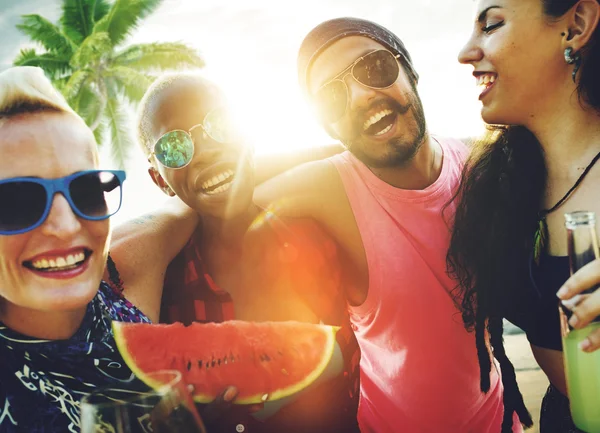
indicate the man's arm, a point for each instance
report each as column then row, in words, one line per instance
column 303, row 192
column 269, row 166
column 142, row 249
column 315, row 190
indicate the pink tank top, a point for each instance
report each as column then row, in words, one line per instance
column 419, row 370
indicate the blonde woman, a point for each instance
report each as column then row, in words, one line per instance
column 56, row 343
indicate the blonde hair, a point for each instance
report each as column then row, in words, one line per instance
column 25, row 89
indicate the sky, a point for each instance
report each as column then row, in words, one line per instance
column 250, row 48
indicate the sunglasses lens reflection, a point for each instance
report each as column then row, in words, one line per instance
column 378, row 69
column 174, row 149
column 25, row 203
column 220, row 126
column 331, row 101
column 96, row 195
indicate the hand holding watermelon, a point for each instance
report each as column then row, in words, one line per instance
column 264, row 361
column 223, row 409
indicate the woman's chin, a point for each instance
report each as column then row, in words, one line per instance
column 68, row 298
column 493, row 116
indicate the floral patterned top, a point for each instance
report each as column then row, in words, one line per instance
column 42, row 381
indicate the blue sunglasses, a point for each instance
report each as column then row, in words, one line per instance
column 26, row 201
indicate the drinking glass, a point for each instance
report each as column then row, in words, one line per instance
column 167, row 408
column 582, row 369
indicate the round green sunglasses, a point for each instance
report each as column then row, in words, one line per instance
column 175, row 149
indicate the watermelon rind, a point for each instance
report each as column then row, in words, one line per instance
column 330, row 331
column 315, row 373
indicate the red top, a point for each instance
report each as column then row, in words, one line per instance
column 301, row 252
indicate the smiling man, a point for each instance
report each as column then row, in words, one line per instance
column 383, row 201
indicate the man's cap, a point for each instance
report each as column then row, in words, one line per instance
column 333, row 30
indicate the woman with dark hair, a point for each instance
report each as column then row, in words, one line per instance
column 538, row 62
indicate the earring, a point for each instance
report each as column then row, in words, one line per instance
column 573, row 59
column 167, row 190
column 569, row 58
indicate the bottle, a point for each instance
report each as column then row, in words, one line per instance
column 582, row 369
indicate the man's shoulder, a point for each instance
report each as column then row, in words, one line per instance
column 456, row 147
column 453, row 142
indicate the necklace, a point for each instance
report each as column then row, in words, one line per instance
column 541, row 232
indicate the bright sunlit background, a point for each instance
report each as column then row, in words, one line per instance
column 250, row 49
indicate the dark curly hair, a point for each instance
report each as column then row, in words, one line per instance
column 500, row 198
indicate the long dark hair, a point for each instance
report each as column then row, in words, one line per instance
column 500, row 197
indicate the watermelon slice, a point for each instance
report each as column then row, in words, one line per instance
column 264, row 360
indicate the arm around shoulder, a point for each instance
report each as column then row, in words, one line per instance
column 142, row 249
column 269, row 166
column 302, row 192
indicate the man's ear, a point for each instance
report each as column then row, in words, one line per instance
column 160, row 182
column 582, row 23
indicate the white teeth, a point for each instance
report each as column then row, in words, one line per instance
column 486, row 79
column 59, row 262
column 384, row 130
column 376, row 118
column 222, row 188
column 217, row 179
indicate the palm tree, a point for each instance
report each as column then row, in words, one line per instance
column 84, row 57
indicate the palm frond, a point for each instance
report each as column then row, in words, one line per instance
column 60, row 83
column 124, row 16
column 79, row 17
column 53, row 65
column 40, row 30
column 89, row 104
column 118, row 125
column 75, row 84
column 159, row 56
column 92, row 49
column 100, row 133
column 131, row 83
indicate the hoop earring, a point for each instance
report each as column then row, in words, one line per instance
column 573, row 59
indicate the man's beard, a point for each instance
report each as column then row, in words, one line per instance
column 400, row 152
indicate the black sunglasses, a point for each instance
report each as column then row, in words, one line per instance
column 378, row 69
column 175, row 149
column 26, row 201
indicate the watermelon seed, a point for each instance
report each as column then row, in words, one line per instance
column 189, row 365
column 200, row 364
column 219, row 362
column 280, row 353
column 267, row 357
column 225, row 360
column 284, row 371
column 212, row 364
column 265, row 397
